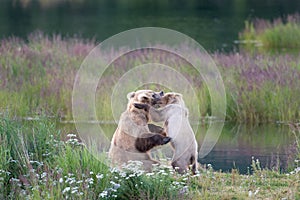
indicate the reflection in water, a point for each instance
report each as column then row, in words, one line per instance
column 213, row 23
column 272, row 144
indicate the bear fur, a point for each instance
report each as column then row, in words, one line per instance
column 132, row 139
column 175, row 115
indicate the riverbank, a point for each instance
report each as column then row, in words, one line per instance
column 36, row 162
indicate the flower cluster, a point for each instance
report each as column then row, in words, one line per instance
column 132, row 181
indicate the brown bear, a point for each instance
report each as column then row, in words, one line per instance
column 149, row 140
column 175, row 115
column 132, row 140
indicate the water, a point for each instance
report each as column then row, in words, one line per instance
column 272, row 144
column 214, row 24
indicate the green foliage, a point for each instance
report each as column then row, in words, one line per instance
column 37, row 79
column 278, row 35
column 282, row 36
column 35, row 164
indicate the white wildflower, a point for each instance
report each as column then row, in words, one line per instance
column 150, row 174
column 176, row 183
column 131, row 175
column 90, row 180
column 15, row 180
column 184, row 190
column 99, row 176
column 103, row 194
column 73, row 191
column 67, row 189
column 70, row 135
column 117, row 186
column 44, row 174
column 250, row 193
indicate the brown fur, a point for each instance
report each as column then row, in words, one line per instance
column 133, row 124
column 149, row 140
column 157, row 129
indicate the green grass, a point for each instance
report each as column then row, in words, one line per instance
column 37, row 164
column 281, row 34
column 37, row 76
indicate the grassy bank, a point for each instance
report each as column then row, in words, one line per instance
column 37, row 75
column 35, row 163
column 279, row 34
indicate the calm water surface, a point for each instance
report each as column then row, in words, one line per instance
column 215, row 24
column 272, row 144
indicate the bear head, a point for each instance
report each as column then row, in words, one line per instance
column 147, row 97
column 144, row 96
column 171, row 98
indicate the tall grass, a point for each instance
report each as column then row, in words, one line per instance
column 261, row 88
column 295, row 128
column 37, row 77
column 36, row 164
column 281, row 33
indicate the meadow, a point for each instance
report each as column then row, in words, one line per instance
column 37, row 78
column 40, row 160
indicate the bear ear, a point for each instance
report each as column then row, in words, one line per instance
column 178, row 95
column 130, row 95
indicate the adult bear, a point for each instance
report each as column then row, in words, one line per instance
column 175, row 115
column 133, row 125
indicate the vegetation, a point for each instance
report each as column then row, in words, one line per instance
column 37, row 78
column 37, row 164
column 279, row 34
column 40, row 161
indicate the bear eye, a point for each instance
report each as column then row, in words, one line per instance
column 145, row 98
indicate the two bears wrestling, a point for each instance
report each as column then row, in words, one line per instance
column 135, row 137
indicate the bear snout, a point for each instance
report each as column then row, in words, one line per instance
column 157, row 95
column 166, row 140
